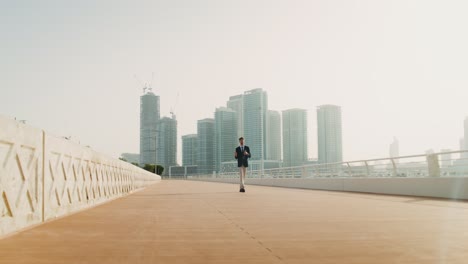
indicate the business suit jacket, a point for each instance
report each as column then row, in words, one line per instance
column 242, row 160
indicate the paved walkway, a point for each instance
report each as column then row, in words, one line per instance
column 197, row 222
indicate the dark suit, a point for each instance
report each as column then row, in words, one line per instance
column 242, row 160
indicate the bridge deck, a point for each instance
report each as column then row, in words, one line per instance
column 196, row 222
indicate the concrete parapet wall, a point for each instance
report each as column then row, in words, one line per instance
column 438, row 187
column 43, row 177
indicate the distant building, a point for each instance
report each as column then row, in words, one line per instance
column 465, row 140
column 176, row 171
column 182, row 171
column 329, row 130
column 131, row 157
column 236, row 103
column 255, row 109
column 394, row 148
column 462, row 147
column 189, row 150
column 167, row 143
column 226, row 139
column 206, row 146
column 149, row 117
column 429, row 151
column 446, row 159
column 466, row 132
column 295, row 151
column 273, row 135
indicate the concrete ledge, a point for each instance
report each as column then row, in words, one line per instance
column 447, row 187
column 450, row 188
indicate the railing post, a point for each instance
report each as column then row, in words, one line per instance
column 433, row 166
column 350, row 171
column 394, row 167
column 367, row 169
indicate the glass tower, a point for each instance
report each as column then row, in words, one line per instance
column 329, row 130
column 295, row 137
column 149, row 117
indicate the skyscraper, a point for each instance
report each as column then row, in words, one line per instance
column 236, row 103
column 329, row 130
column 149, row 117
column 295, row 151
column 255, row 109
column 206, row 148
column 167, row 143
column 189, row 150
column 465, row 139
column 226, row 138
column 462, row 147
column 273, row 142
column 466, row 132
column 394, row 148
column 446, row 159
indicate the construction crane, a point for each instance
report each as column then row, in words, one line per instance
column 174, row 107
column 145, row 86
column 141, row 83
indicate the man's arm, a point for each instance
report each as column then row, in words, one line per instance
column 248, row 150
column 235, row 153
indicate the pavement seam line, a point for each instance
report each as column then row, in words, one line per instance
column 245, row 232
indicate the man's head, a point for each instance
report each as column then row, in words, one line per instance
column 241, row 141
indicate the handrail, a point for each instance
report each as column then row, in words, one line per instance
column 421, row 165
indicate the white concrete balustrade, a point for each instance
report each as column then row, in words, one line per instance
column 441, row 175
column 43, row 177
column 447, row 187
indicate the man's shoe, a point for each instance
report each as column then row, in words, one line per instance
column 242, row 190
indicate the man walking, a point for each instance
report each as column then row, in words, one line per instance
column 242, row 155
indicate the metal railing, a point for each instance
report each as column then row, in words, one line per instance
column 442, row 164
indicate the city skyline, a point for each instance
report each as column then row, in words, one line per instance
column 71, row 69
column 271, row 133
column 236, row 102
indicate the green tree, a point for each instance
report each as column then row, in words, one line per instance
column 157, row 169
column 150, row 168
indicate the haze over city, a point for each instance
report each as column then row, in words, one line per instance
column 395, row 70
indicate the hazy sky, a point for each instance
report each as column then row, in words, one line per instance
column 397, row 67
